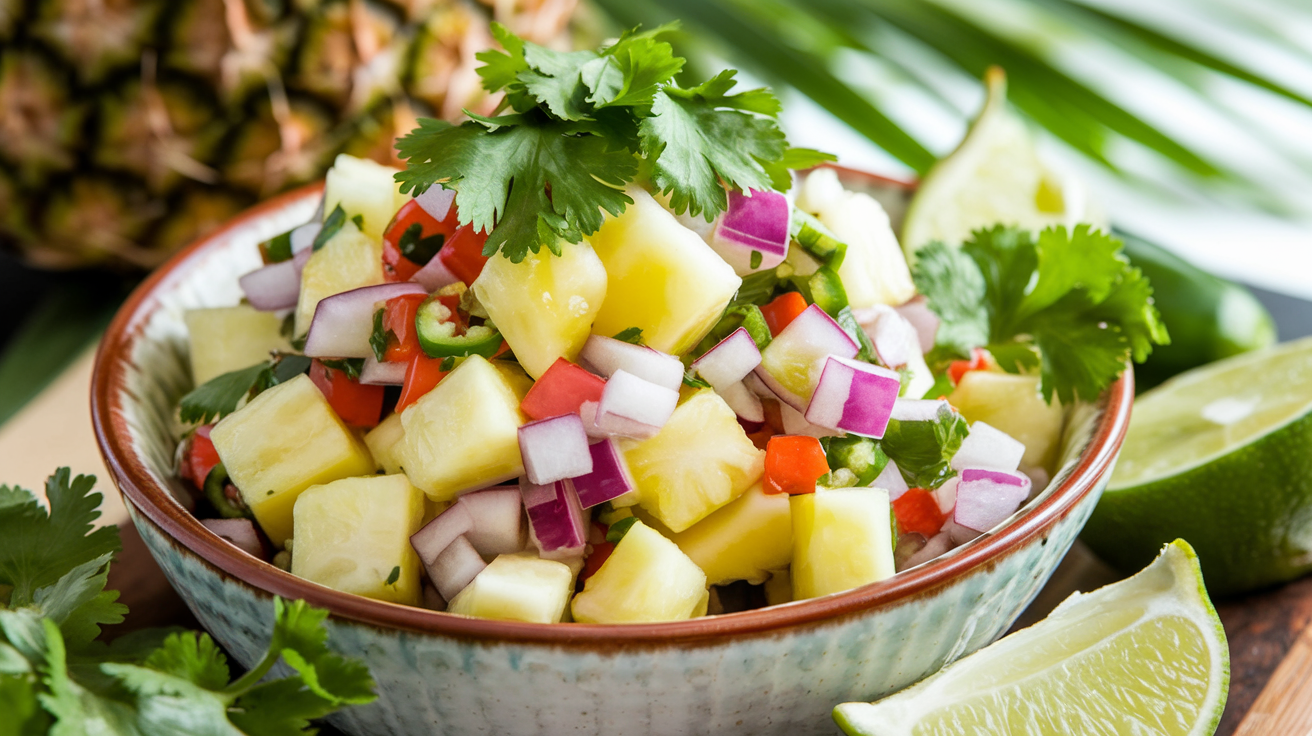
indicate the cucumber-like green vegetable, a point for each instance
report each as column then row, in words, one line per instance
column 1208, row 317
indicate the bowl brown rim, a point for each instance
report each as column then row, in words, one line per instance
column 156, row 503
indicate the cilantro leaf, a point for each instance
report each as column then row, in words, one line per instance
column 954, row 287
column 79, row 603
column 631, row 335
column 923, row 450
column 220, row 395
column 630, row 72
column 332, row 224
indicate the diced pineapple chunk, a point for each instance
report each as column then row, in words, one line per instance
column 699, row 461
column 464, row 434
column 1014, row 405
column 663, row 278
column 353, row 535
column 518, row 587
column 366, row 188
column 384, row 441
column 227, row 339
column 645, row 579
column 745, row 540
column 842, row 539
column 285, row 440
column 545, row 304
column 874, row 271
column 347, row 261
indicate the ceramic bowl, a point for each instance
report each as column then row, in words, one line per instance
column 777, row 670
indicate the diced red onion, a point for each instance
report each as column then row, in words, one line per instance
column 923, row 319
column 729, row 361
column 946, row 494
column 303, row 237
column 935, row 546
column 958, row 533
column 988, row 448
column 276, row 286
column 434, row 537
column 300, row 259
column 498, row 520
column 633, row 407
column 854, row 397
column 758, row 388
column 609, row 478
column 985, row 498
column 382, row 374
column 808, row 340
column 606, row 355
column 554, row 449
column 588, row 413
column 240, row 533
column 434, row 275
column 743, row 402
column 891, row 480
column 795, row 423
column 436, row 201
column 343, row 322
column 917, row 410
column 757, row 221
column 432, row 600
column 894, row 337
column 455, row 567
column 555, row 516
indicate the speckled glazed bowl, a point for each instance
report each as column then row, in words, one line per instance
column 777, row 670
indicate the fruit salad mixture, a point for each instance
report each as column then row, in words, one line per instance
column 646, row 392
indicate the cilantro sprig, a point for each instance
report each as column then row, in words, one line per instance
column 1067, row 303
column 56, row 678
column 220, row 395
column 576, row 127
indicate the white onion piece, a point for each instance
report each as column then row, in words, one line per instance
column 240, row 533
column 433, row 538
column 276, row 286
column 633, row 407
column 434, row 275
column 732, row 359
column 935, row 546
column 758, row 388
column 808, row 340
column 795, row 423
column 891, row 480
column 609, row 478
column 946, row 494
column 498, row 520
column 743, row 402
column 755, row 222
column 455, row 568
column 985, row 498
column 923, row 319
column 382, row 374
column 343, row 322
column 918, row 410
column 988, row 448
column 606, row 356
column 303, row 237
column 854, row 397
column 555, row 516
column 588, row 413
column 436, row 201
column 554, row 449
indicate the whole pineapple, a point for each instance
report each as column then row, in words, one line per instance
column 131, row 127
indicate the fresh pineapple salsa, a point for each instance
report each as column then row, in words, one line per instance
column 559, row 370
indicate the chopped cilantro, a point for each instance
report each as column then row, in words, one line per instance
column 757, row 288
column 418, row 249
column 378, row 338
column 358, row 220
column 755, row 262
column 221, row 395
column 278, row 248
column 631, row 335
column 448, row 363
column 394, row 575
column 923, row 450
column 332, row 224
column 691, row 380
column 350, row 366
column 617, row 530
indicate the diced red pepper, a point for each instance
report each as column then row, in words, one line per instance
column 463, row 253
column 917, row 511
column 397, row 267
column 421, row 376
column 600, row 553
column 793, row 463
column 561, row 390
column 783, row 310
column 357, row 405
column 399, row 319
column 979, row 361
column 201, row 456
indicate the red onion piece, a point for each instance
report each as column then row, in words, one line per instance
column 588, row 413
column 555, row 516
column 240, row 533
column 606, row 355
column 382, row 374
column 946, row 494
column 807, row 341
column 609, row 478
column 633, row 407
column 923, row 319
column 891, row 480
column 756, row 221
column 303, row 237
column 854, row 397
column 743, row 402
column 985, row 498
column 554, row 449
column 300, row 259
column 917, row 410
column 433, row 538
column 498, row 520
column 958, row 533
column 434, row 275
column 937, row 545
column 432, row 600
column 729, row 361
column 894, row 337
column 276, row 286
column 455, row 568
column 436, row 201
column 988, row 448
column 795, row 423
column 343, row 322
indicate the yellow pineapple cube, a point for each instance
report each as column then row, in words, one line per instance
column 226, row 339
column 662, row 277
column 347, row 261
column 285, row 440
column 353, row 535
column 384, row 441
column 464, row 434
column 517, row 587
column 1013, row 404
column 545, row 304
column 745, row 540
column 699, row 461
column 842, row 539
column 645, row 579
column 365, row 188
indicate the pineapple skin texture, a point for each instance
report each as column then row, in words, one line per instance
column 351, row 534
column 842, row 539
column 645, row 579
column 663, row 278
column 545, row 304
column 744, row 540
column 1013, row 404
column 285, row 440
column 699, row 461
column 464, row 434
column 366, row 188
column 226, row 339
column 349, row 260
column 517, row 587
column 383, row 442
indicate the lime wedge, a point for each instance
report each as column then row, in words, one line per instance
column 1221, row 456
column 1146, row 655
column 994, row 177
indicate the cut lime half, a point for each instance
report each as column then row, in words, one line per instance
column 1146, row 656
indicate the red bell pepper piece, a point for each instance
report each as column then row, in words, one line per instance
column 201, row 456
column 600, row 553
column 399, row 319
column 421, row 376
column 396, row 267
column 463, row 253
column 783, row 310
column 917, row 511
column 357, row 405
column 561, row 390
column 793, row 463
column 979, row 361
